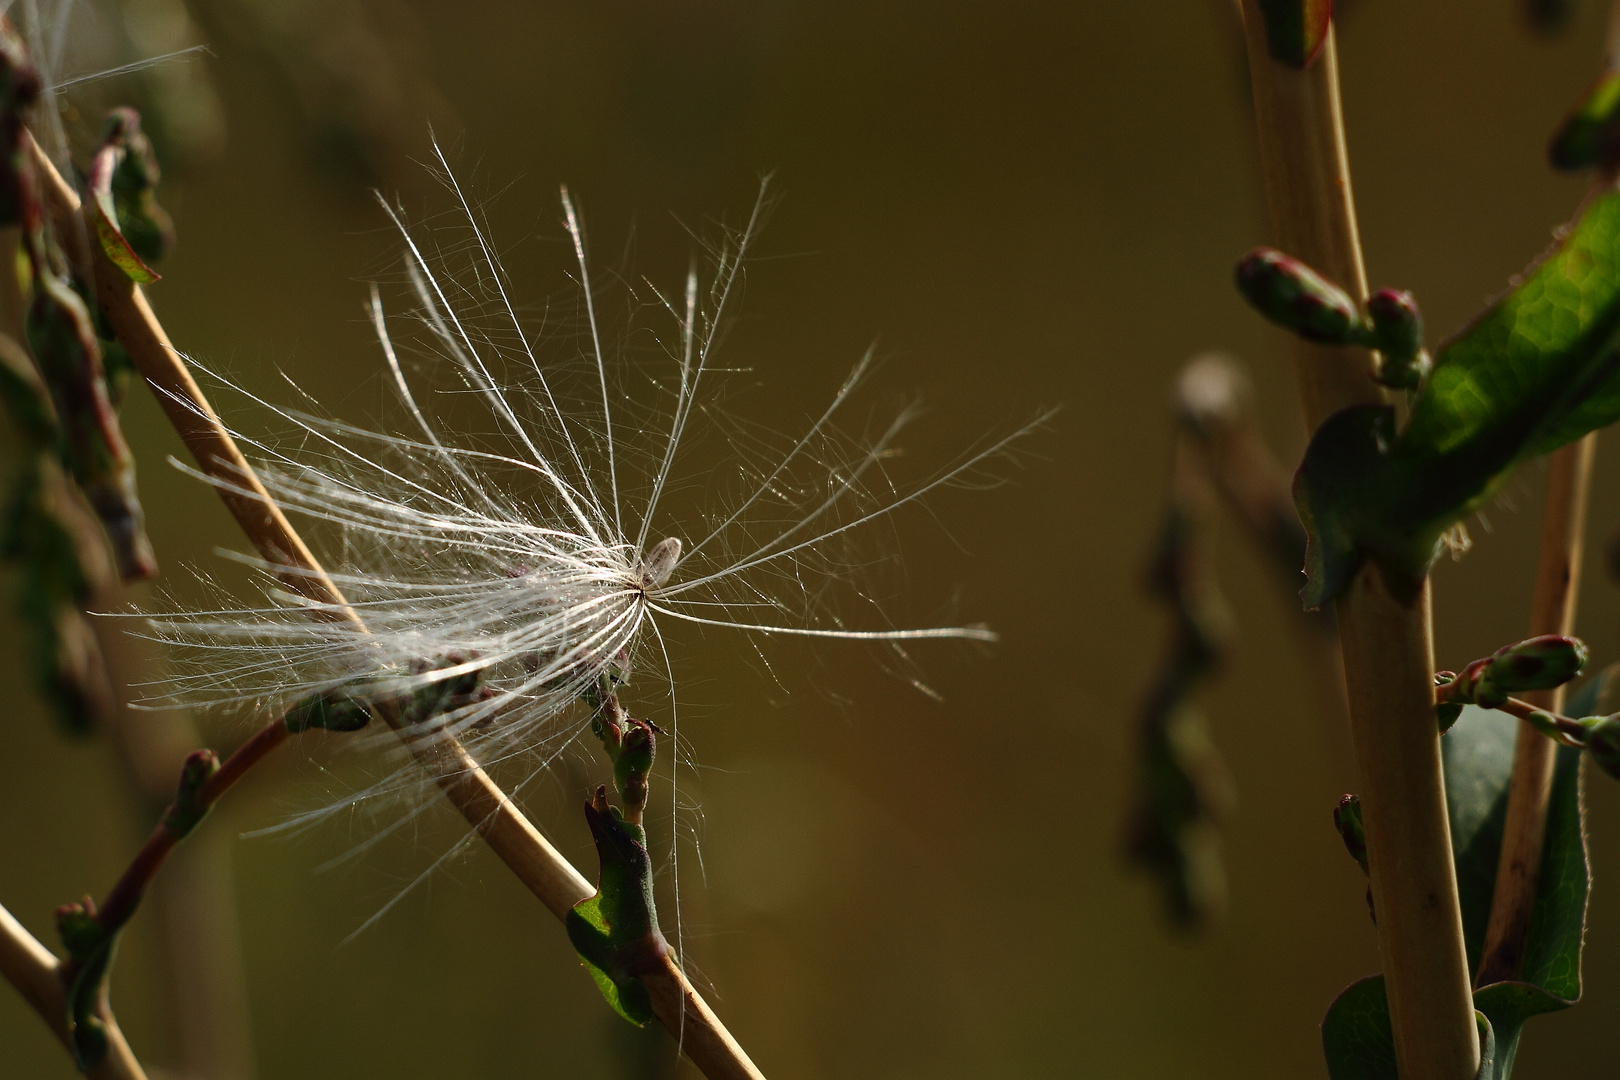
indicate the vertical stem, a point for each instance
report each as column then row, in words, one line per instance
column 1386, row 640
column 1306, row 168
column 1552, row 611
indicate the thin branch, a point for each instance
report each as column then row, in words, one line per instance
column 517, row 842
column 1386, row 641
column 41, row 978
column 1552, row 611
column 36, row 973
column 1564, row 730
column 126, row 894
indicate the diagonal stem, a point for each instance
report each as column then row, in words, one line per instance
column 1386, row 639
column 126, row 893
column 528, row 854
column 41, row 978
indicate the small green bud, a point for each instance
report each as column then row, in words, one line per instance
column 187, row 809
column 79, row 929
column 445, row 694
column 1538, row 663
column 334, row 710
column 1397, row 334
column 1347, row 819
column 608, row 718
column 1546, row 723
column 1603, row 742
column 632, row 764
column 1297, row 298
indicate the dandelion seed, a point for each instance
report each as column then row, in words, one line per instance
column 500, row 555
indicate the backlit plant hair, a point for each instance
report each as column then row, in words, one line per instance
column 490, row 577
column 536, row 554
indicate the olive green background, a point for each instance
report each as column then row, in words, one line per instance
column 1023, row 204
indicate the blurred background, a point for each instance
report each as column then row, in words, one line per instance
column 1022, row 205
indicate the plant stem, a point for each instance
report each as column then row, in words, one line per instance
column 1386, row 640
column 36, row 973
column 528, row 854
column 126, row 894
column 1570, row 732
column 1552, row 611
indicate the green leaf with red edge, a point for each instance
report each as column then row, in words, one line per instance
column 1296, row 30
column 117, row 248
column 132, row 180
column 1536, row 371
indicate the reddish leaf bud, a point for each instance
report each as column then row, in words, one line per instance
column 1397, row 334
column 1297, row 298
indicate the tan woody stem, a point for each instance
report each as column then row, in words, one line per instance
column 1386, row 640
column 30, row 967
column 1552, row 611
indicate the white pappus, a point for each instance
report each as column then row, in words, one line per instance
column 507, row 544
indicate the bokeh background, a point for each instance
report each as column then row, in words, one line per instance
column 1023, row 204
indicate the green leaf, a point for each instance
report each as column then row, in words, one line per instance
column 1359, row 1042
column 1479, row 766
column 1552, row 958
column 1523, row 369
column 627, row 997
column 1478, row 754
column 132, row 228
column 1537, row 370
column 1357, row 1038
column 1478, row 757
